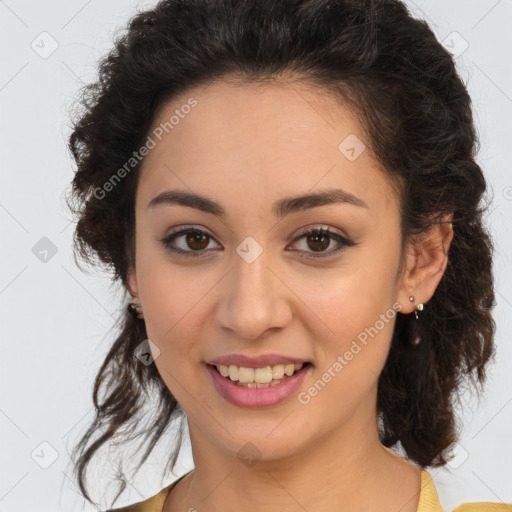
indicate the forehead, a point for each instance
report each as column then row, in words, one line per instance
column 264, row 139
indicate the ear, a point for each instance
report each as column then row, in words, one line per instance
column 132, row 284
column 426, row 260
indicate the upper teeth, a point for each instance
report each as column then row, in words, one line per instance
column 260, row 375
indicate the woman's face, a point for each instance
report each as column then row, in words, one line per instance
column 249, row 284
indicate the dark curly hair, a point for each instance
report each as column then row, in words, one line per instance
column 388, row 68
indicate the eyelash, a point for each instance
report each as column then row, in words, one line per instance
column 344, row 242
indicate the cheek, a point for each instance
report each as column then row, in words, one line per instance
column 172, row 311
column 352, row 298
column 356, row 305
column 361, row 328
column 350, row 359
column 174, row 301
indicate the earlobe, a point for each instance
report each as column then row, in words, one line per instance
column 427, row 259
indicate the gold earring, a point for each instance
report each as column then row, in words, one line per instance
column 419, row 307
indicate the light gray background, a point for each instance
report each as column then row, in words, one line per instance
column 56, row 320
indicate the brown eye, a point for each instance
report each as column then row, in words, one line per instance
column 318, row 240
column 193, row 242
column 196, row 241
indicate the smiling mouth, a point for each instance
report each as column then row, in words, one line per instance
column 264, row 377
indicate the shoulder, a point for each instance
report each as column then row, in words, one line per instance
column 153, row 504
column 429, row 500
column 484, row 507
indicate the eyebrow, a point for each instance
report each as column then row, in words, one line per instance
column 280, row 208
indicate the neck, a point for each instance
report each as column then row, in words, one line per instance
column 351, row 468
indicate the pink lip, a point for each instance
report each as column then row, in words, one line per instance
column 257, row 397
column 254, row 362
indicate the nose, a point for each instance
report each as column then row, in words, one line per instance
column 254, row 299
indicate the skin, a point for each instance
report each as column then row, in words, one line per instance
column 247, row 146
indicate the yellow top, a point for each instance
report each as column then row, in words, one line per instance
column 429, row 501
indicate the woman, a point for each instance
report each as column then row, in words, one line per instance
column 288, row 192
